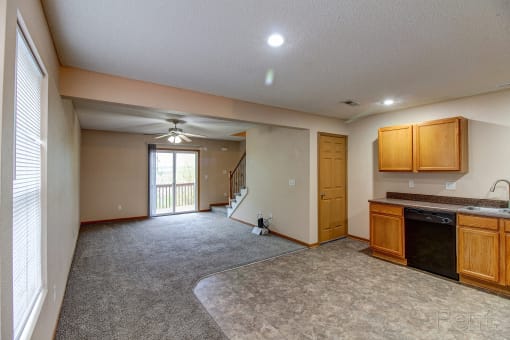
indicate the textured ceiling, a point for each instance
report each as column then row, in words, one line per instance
column 416, row 51
column 122, row 118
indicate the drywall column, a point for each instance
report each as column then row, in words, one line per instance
column 275, row 155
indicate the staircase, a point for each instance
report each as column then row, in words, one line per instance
column 237, row 185
column 221, row 210
column 234, row 202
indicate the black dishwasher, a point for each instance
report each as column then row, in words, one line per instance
column 431, row 242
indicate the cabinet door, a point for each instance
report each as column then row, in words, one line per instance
column 478, row 253
column 441, row 145
column 396, row 148
column 387, row 234
column 507, row 242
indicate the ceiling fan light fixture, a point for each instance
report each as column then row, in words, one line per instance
column 388, row 102
column 171, row 139
column 177, row 140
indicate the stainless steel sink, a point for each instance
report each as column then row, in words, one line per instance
column 488, row 210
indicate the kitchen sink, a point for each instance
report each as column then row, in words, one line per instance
column 488, row 210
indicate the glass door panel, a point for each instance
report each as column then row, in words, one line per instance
column 175, row 176
column 164, row 182
column 186, row 181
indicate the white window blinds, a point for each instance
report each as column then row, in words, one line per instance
column 27, row 257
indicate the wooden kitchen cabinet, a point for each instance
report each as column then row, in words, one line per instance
column 483, row 252
column 441, row 145
column 507, row 256
column 505, row 224
column 478, row 253
column 396, row 148
column 387, row 232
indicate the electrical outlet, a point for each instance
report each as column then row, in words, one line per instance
column 224, row 194
column 206, row 177
column 411, row 183
column 119, row 207
column 224, row 172
column 451, row 186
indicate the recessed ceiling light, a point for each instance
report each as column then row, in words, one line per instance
column 275, row 40
column 388, row 102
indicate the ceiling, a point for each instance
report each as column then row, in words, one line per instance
column 416, row 52
column 121, row 118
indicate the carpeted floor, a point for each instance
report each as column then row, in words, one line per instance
column 135, row 280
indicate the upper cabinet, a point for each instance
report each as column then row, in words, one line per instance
column 396, row 148
column 439, row 145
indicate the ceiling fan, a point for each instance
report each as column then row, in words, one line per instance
column 176, row 135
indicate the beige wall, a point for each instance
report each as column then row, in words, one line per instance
column 273, row 156
column 62, row 178
column 489, row 155
column 114, row 172
column 89, row 85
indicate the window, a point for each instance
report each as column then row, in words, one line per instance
column 27, row 219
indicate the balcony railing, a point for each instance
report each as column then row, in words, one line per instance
column 184, row 197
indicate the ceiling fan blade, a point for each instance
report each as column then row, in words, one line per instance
column 192, row 135
column 163, row 136
column 185, row 138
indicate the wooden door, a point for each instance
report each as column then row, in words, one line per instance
column 396, row 148
column 332, row 190
column 478, row 253
column 441, row 145
column 387, row 234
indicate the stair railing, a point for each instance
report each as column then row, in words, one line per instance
column 237, row 177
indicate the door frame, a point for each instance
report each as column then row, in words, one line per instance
column 168, row 148
column 319, row 134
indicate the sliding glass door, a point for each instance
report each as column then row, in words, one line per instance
column 175, row 188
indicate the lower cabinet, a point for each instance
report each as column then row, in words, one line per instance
column 507, row 255
column 483, row 252
column 387, row 232
column 483, row 245
column 478, row 253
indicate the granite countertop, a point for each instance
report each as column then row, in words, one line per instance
column 488, row 212
column 419, row 204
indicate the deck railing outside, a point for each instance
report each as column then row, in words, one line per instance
column 185, row 197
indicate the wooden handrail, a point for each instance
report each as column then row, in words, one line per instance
column 239, row 163
column 237, row 178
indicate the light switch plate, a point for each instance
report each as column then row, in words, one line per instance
column 451, row 186
column 292, row 182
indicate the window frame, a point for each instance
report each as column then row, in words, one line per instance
column 33, row 316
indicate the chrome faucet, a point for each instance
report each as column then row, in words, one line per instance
column 493, row 187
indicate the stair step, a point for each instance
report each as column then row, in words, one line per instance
column 220, row 210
